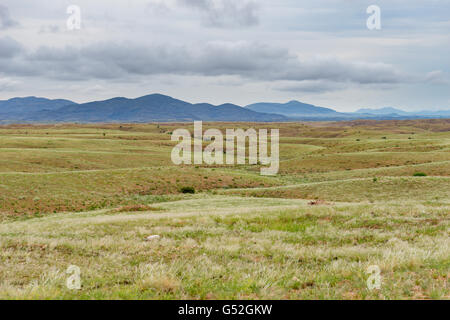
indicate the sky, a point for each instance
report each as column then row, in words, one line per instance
column 230, row 51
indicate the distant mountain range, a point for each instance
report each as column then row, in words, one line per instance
column 398, row 112
column 161, row 108
column 292, row 109
column 154, row 107
column 17, row 107
column 303, row 111
column 383, row 111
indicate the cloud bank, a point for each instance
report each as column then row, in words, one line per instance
column 245, row 59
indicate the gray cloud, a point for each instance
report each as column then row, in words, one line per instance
column 311, row 86
column 9, row 48
column 244, row 59
column 226, row 13
column 5, row 19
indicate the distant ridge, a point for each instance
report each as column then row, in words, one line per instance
column 398, row 112
column 292, row 109
column 154, row 107
column 162, row 108
column 17, row 107
column 383, row 111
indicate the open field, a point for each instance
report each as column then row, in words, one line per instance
column 349, row 195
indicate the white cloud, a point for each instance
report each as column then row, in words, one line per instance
column 226, row 13
column 8, row 84
column 437, row 77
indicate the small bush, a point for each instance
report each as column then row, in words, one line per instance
column 190, row 190
column 375, row 179
column 419, row 174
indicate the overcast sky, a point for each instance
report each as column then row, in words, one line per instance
column 238, row 51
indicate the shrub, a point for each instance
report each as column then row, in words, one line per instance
column 190, row 190
column 420, row 174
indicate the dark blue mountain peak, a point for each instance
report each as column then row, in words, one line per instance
column 159, row 107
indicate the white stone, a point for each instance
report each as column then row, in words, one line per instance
column 154, row 237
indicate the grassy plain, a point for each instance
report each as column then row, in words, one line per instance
column 349, row 195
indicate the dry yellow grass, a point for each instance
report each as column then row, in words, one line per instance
column 228, row 247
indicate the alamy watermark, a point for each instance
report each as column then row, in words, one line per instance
column 374, row 280
column 74, row 20
column 73, row 282
column 235, row 142
column 374, row 20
